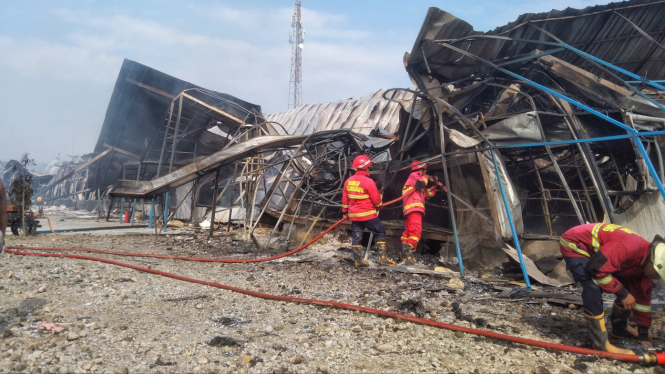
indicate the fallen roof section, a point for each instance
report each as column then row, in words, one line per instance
column 188, row 173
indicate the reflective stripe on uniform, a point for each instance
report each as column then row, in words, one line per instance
column 414, row 205
column 407, row 189
column 357, row 197
column 603, row 281
column 595, row 243
column 573, row 247
column 363, row 214
column 430, row 193
column 642, row 308
column 345, row 206
column 414, row 238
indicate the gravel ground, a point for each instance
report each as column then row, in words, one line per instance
column 117, row 320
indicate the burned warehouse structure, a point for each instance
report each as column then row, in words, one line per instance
column 543, row 124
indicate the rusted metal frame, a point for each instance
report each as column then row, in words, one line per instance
column 211, row 107
column 255, row 186
column 286, row 206
column 543, row 198
column 214, row 204
column 584, row 187
column 548, row 149
column 278, row 180
column 605, row 70
column 166, row 133
column 296, row 213
column 312, row 226
column 408, row 123
column 584, row 150
column 616, row 169
column 242, row 197
column 509, row 214
column 447, row 43
column 235, row 171
column 175, row 134
column 451, row 209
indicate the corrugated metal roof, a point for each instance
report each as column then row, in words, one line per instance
column 596, row 30
column 361, row 115
column 136, row 115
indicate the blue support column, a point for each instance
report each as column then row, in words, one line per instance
column 152, row 211
column 509, row 214
column 652, row 169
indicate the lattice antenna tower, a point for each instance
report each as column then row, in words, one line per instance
column 297, row 40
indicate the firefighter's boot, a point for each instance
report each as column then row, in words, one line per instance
column 621, row 329
column 409, row 255
column 598, row 334
column 358, row 257
column 380, row 247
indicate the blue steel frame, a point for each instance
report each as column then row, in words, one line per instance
column 632, row 132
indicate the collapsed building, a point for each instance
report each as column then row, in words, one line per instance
column 550, row 121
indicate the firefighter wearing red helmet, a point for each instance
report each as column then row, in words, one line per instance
column 607, row 258
column 414, row 208
column 362, row 201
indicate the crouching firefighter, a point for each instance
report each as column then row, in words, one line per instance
column 361, row 199
column 414, row 208
column 613, row 259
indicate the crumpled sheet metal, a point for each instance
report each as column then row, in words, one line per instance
column 521, row 128
column 361, row 115
column 534, row 272
column 511, row 195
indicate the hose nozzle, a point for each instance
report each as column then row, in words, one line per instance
column 653, row 358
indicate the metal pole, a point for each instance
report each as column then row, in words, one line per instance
column 166, row 209
column 138, row 175
column 214, row 204
column 233, row 189
column 652, row 169
column 503, row 192
column 543, row 198
column 152, row 211
column 175, row 134
column 451, row 208
column 510, row 221
column 122, row 200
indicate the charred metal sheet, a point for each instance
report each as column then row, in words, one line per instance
column 188, row 173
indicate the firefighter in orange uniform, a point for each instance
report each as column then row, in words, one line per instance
column 362, row 200
column 414, row 208
column 607, row 258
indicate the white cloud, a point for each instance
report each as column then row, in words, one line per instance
column 338, row 61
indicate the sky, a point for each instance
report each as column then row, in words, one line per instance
column 59, row 59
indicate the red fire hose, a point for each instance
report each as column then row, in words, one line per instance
column 647, row 358
column 651, row 358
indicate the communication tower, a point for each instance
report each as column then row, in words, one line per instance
column 297, row 40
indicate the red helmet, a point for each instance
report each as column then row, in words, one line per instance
column 416, row 165
column 361, row 162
